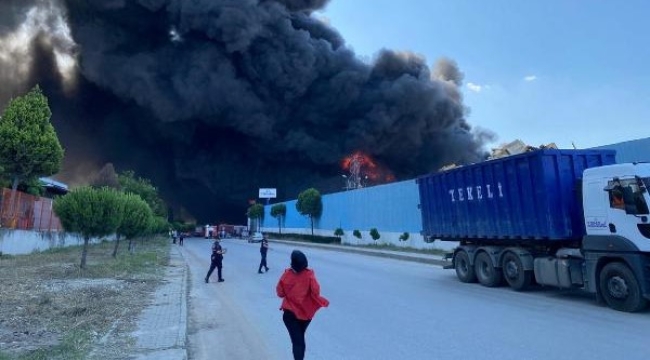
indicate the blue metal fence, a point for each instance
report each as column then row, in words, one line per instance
column 391, row 207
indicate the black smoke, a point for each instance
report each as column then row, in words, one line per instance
column 213, row 99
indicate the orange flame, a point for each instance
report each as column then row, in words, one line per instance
column 369, row 168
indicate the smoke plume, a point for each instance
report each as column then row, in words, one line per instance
column 213, row 99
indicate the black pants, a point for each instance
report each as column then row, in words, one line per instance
column 180, row 240
column 297, row 329
column 215, row 264
column 263, row 263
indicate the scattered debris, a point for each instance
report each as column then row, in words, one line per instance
column 516, row 147
column 508, row 149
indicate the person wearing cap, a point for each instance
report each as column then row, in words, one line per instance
column 264, row 248
column 300, row 293
column 216, row 260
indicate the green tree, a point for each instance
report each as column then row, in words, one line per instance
column 404, row 236
column 90, row 213
column 158, row 225
column 256, row 212
column 310, row 204
column 338, row 233
column 374, row 234
column 32, row 185
column 137, row 220
column 356, row 234
column 279, row 211
column 29, row 146
column 131, row 184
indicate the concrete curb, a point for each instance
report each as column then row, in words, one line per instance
column 405, row 256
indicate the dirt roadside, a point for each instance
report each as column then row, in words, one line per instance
column 52, row 309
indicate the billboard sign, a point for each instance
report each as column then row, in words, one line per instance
column 267, row 193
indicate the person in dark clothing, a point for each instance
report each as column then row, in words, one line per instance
column 264, row 248
column 181, row 237
column 216, row 261
column 301, row 299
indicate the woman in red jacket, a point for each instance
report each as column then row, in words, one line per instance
column 300, row 293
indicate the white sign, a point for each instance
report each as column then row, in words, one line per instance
column 267, row 193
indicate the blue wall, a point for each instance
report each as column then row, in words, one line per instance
column 391, row 207
column 631, row 151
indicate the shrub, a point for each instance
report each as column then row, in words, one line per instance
column 356, row 234
column 374, row 234
column 338, row 232
column 404, row 236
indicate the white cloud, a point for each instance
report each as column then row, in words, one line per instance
column 530, row 78
column 474, row 87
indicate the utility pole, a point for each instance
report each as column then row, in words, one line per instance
column 353, row 179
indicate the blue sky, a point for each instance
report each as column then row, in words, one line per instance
column 540, row 71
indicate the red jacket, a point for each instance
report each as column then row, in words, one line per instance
column 300, row 293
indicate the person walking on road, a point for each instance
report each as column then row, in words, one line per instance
column 216, row 261
column 264, row 248
column 300, row 293
column 181, row 237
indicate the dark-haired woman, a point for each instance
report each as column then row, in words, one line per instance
column 300, row 293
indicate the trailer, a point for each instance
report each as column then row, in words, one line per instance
column 548, row 217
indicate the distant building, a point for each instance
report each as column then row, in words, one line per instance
column 53, row 187
column 630, row 151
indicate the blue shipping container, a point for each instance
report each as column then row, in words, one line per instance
column 530, row 196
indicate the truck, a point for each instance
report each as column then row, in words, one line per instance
column 570, row 219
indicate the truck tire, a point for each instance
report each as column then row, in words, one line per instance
column 513, row 271
column 464, row 271
column 620, row 289
column 486, row 273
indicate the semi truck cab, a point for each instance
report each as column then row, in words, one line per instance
column 615, row 201
column 615, row 251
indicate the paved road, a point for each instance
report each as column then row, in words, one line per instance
column 391, row 309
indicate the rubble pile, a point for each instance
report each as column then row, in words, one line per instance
column 509, row 149
column 516, row 147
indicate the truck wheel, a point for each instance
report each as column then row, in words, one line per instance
column 486, row 273
column 464, row 270
column 514, row 273
column 619, row 288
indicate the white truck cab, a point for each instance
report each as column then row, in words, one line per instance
column 615, row 200
column 613, row 258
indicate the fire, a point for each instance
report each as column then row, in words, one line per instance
column 365, row 169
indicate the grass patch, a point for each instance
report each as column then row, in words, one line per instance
column 72, row 347
column 50, row 308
